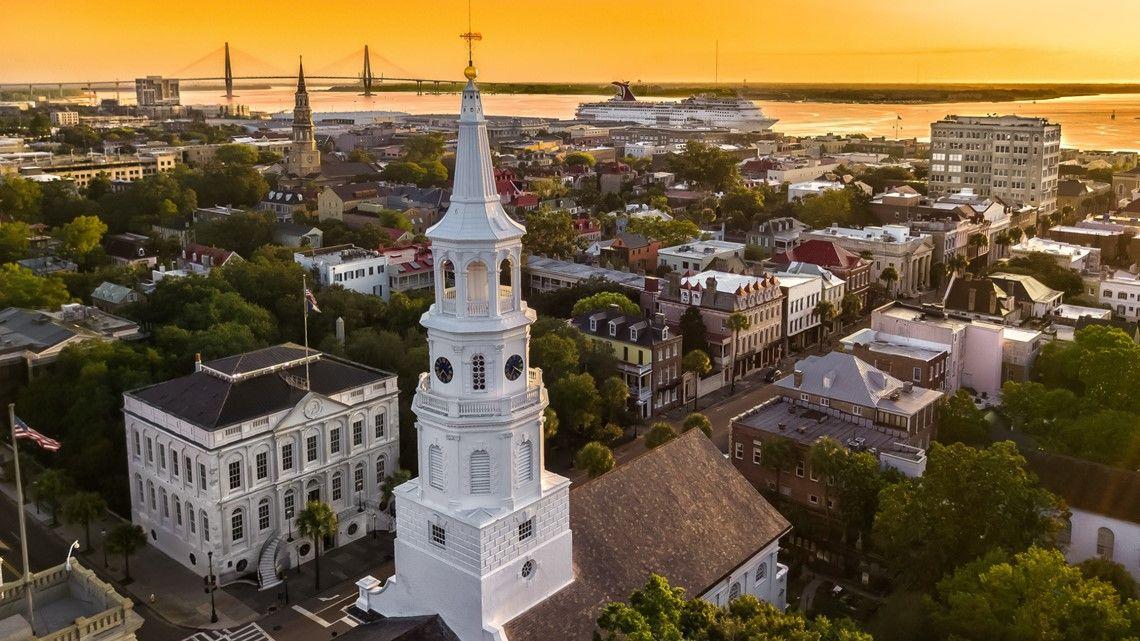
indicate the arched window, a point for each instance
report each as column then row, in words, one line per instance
column 337, row 486
column 177, row 511
column 447, row 268
column 150, row 492
column 524, row 462
column 263, row 514
column 191, row 520
column 237, row 526
column 761, row 572
column 734, row 592
column 476, row 284
column 480, row 472
column 381, row 463
column 358, row 478
column 435, row 467
column 139, row 487
column 506, row 273
column 165, row 505
column 1105, row 542
column 478, row 372
column 205, row 526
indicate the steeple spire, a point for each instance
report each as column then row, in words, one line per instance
column 300, row 74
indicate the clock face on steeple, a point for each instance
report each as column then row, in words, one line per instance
column 443, row 370
column 514, row 367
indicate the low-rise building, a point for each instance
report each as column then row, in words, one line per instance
column 1120, row 291
column 979, row 298
column 1112, row 243
column 895, row 246
column 809, row 188
column 853, row 269
column 294, row 235
column 333, row 202
column 631, row 251
column 777, row 234
column 410, row 268
column 360, row 270
column 284, row 204
column 64, row 118
column 648, row 356
column 1034, row 299
column 81, row 169
column 1067, row 255
column 111, row 297
column 222, row 460
column 130, row 249
column 909, row 359
column 698, row 256
column 718, row 295
column 805, row 286
column 547, row 274
column 201, row 259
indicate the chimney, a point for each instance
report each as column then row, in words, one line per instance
column 198, row 362
column 797, row 377
column 652, row 285
column 710, row 284
column 908, row 387
column 659, row 319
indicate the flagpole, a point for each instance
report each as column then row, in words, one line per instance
column 20, row 509
column 305, row 307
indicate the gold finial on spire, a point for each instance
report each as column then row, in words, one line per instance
column 471, row 36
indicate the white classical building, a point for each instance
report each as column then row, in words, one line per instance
column 361, row 270
column 222, row 460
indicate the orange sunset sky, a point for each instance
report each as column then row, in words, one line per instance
column 584, row 40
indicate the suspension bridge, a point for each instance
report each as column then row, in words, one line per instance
column 335, row 72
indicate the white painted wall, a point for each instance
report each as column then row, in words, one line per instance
column 1126, row 550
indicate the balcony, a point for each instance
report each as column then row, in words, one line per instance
column 477, row 308
column 427, row 400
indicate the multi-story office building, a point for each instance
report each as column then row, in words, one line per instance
column 1013, row 158
column 223, row 459
column 64, row 118
column 156, row 91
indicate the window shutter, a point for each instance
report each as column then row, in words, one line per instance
column 524, row 464
column 435, row 467
column 480, row 472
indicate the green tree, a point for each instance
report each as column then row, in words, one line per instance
column 613, row 394
column 424, row 147
column 708, row 166
column 243, row 232
column 1044, row 268
column 850, row 307
column 957, row 263
column 317, row 521
column 830, row 207
column 827, row 313
column 858, row 481
column 661, row 612
column 603, row 300
column 82, row 508
column 551, row 232
column 556, row 355
column 20, row 198
column 778, row 455
column 14, row 241
column 977, row 241
column 668, row 232
column 1034, row 595
column 698, row 364
column 549, row 424
column 52, row 487
column 578, row 158
column 659, row 434
column 696, row 420
column 968, row 502
column 736, row 322
column 826, row 459
column 1111, row 573
column 388, row 489
column 82, row 235
column 125, row 539
column 234, row 154
column 575, row 399
column 692, row 328
column 889, row 276
column 19, row 287
column 960, row 421
column 402, row 171
column 742, row 207
column 547, row 188
column 595, row 458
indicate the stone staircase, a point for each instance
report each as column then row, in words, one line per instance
column 267, row 563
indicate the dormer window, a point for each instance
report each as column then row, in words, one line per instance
column 665, row 333
column 593, row 324
column 613, row 328
column 632, row 334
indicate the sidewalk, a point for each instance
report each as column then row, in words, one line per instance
column 179, row 595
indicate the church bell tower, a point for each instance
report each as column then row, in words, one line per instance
column 483, row 534
column 304, row 158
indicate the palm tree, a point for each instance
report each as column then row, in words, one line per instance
column 956, row 263
column 888, row 276
column 51, row 487
column 736, row 322
column 388, row 489
column 850, row 307
column 826, row 311
column 778, row 455
column 1002, row 240
column 977, row 241
column 83, row 508
column 1015, row 234
column 826, row 456
column 125, row 539
column 697, row 362
column 317, row 521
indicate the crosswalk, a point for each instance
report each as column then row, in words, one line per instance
column 250, row 632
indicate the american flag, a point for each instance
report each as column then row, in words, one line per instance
column 311, row 301
column 22, row 430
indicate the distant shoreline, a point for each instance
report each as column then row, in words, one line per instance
column 832, row 93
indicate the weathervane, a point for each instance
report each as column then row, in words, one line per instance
column 470, row 37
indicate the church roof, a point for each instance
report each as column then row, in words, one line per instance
column 476, row 212
column 696, row 521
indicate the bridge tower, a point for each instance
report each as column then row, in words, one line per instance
column 367, row 75
column 229, row 75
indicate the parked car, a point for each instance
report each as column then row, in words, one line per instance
column 773, row 375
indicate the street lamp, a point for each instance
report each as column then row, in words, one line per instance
column 103, row 532
column 375, row 522
column 71, row 548
column 211, row 584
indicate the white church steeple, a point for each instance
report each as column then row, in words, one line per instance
column 483, row 533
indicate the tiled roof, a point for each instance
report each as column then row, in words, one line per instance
column 824, row 253
column 1089, row 486
column 681, row 510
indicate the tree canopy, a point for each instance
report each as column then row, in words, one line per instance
column 19, row 287
column 668, row 232
column 602, row 301
column 706, row 166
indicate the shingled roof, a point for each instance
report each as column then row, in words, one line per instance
column 825, row 253
column 1089, row 486
column 680, row 510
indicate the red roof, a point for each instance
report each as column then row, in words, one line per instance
column 824, row 253
column 194, row 253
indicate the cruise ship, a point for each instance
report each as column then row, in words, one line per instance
column 733, row 113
